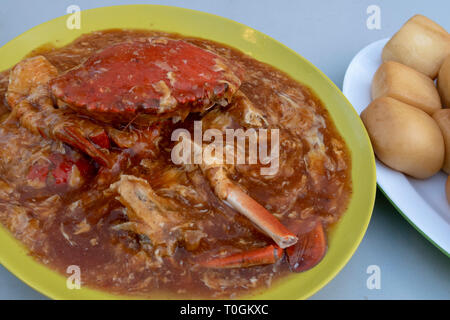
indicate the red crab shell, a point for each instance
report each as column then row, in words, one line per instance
column 155, row 77
column 59, row 172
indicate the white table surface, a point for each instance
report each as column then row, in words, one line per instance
column 327, row 33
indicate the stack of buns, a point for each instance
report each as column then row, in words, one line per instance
column 409, row 118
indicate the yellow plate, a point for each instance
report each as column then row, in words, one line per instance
column 347, row 234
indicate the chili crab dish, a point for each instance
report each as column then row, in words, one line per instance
column 92, row 176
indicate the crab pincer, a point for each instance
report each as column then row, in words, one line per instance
column 256, row 257
column 309, row 249
column 302, row 256
column 147, row 79
column 225, row 189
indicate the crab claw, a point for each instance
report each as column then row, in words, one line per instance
column 29, row 97
column 261, row 256
column 304, row 255
column 262, row 218
column 234, row 196
column 215, row 171
column 309, row 249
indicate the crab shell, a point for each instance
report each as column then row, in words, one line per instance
column 147, row 79
column 59, row 172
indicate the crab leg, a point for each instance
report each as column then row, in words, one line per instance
column 255, row 212
column 261, row 256
column 304, row 255
column 234, row 196
column 140, row 142
column 54, row 124
column 28, row 87
column 73, row 137
column 32, row 106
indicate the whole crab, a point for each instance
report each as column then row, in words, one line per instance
column 144, row 82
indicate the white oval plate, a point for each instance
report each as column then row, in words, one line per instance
column 421, row 202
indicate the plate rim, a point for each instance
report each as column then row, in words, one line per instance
column 371, row 192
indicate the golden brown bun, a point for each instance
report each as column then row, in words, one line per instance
column 420, row 44
column 442, row 118
column 405, row 84
column 444, row 82
column 404, row 137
